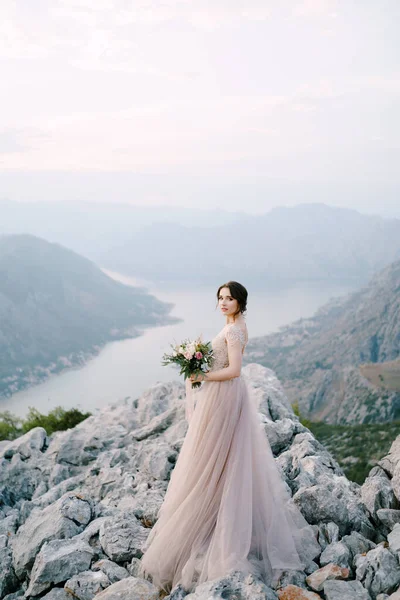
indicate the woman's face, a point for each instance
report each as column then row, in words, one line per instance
column 227, row 304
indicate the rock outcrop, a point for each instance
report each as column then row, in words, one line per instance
column 76, row 507
column 342, row 364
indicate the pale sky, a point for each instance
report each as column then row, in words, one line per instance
column 241, row 104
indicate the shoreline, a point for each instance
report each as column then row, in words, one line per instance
column 38, row 374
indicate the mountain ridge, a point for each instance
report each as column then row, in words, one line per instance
column 57, row 308
column 322, row 360
column 77, row 506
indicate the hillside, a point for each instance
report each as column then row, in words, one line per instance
column 57, row 307
column 92, row 228
column 342, row 365
column 287, row 245
column 78, row 505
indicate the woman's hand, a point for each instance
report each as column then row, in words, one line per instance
column 197, row 377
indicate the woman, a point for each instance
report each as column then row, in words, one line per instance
column 226, row 506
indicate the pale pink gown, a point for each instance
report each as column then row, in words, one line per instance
column 226, row 506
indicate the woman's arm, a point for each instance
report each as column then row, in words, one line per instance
column 234, row 368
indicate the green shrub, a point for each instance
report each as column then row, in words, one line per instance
column 57, row 419
column 357, row 448
column 10, row 426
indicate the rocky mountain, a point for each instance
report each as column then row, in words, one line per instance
column 343, row 364
column 287, row 245
column 308, row 242
column 91, row 228
column 57, row 308
column 76, row 507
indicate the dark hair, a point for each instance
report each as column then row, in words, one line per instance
column 238, row 292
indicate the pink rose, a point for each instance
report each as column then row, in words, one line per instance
column 199, row 355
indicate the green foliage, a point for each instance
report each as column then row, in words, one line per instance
column 357, row 448
column 10, row 426
column 57, row 419
column 296, row 409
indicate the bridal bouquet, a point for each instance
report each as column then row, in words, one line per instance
column 193, row 357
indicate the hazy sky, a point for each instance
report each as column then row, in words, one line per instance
column 242, row 104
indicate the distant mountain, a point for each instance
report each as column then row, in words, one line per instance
column 287, row 245
column 57, row 307
column 92, row 228
column 342, row 364
column 307, row 242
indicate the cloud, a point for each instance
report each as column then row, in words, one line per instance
column 224, row 85
column 316, row 8
column 11, row 141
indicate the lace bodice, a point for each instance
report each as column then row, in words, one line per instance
column 232, row 334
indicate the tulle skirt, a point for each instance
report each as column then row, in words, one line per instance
column 226, row 506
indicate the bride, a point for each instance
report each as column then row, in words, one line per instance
column 226, row 506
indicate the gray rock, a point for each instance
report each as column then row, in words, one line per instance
column 8, row 526
column 155, row 461
column 123, row 538
column 35, row 440
column 144, row 502
column 394, row 539
column 388, row 517
column 337, row 553
column 113, row 571
column 377, row 493
column 15, row 595
column 292, row 577
column 63, row 519
column 388, row 463
column 345, row 590
column 56, row 492
column 328, row 534
column 357, row 543
column 56, row 562
column 8, row 580
column 378, row 571
column 57, row 594
column 118, row 463
column 82, row 444
column 334, row 499
column 280, row 433
column 131, row 588
column 395, row 482
column 158, row 424
column 158, row 399
column 87, row 584
column 307, row 463
column 268, row 392
column 134, row 567
column 311, row 568
column 178, row 593
column 20, row 478
column 58, row 474
column 236, row 586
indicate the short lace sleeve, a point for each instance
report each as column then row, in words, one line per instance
column 235, row 335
